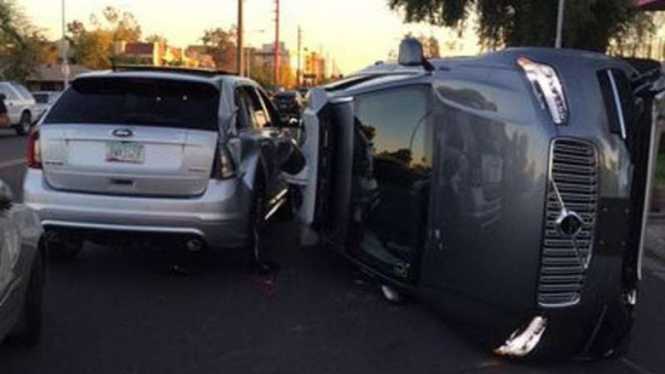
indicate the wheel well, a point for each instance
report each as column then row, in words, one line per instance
column 42, row 250
column 26, row 111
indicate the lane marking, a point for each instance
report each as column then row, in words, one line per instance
column 11, row 163
column 639, row 369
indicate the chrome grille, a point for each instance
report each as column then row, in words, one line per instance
column 574, row 186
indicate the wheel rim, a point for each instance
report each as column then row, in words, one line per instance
column 25, row 123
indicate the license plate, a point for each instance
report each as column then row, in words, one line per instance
column 127, row 152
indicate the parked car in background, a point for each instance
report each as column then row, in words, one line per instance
column 183, row 154
column 22, row 272
column 44, row 100
column 509, row 191
column 21, row 106
column 289, row 104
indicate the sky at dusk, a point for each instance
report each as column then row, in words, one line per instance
column 355, row 33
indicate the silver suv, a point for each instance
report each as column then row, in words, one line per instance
column 173, row 152
column 20, row 105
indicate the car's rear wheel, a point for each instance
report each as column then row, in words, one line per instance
column 256, row 229
column 23, row 127
column 28, row 329
column 64, row 247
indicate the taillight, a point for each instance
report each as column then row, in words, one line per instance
column 34, row 151
column 547, row 87
column 224, row 167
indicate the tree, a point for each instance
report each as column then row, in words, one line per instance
column 156, row 38
column 91, row 49
column 20, row 43
column 590, row 24
column 94, row 48
column 221, row 45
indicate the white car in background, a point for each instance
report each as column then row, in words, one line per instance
column 21, row 106
column 44, row 100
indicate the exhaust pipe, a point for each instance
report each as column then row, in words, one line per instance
column 194, row 245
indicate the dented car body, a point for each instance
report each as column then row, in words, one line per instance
column 508, row 191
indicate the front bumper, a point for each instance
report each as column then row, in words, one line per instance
column 219, row 216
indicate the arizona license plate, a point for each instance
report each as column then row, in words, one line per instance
column 127, row 152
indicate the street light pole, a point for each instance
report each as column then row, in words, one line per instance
column 65, row 62
column 277, row 46
column 299, row 72
column 241, row 47
column 559, row 26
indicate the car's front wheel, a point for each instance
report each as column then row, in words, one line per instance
column 28, row 329
column 23, row 127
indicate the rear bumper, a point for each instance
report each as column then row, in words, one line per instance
column 219, row 216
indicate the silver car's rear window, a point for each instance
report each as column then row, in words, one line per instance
column 138, row 101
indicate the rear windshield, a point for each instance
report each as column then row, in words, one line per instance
column 138, row 101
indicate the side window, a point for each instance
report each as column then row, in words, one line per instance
column 24, row 92
column 245, row 119
column 273, row 115
column 257, row 110
column 8, row 92
column 394, row 121
column 393, row 171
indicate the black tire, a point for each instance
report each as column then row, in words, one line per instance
column 256, row 229
column 28, row 329
column 23, row 127
column 65, row 248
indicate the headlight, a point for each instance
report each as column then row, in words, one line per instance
column 547, row 87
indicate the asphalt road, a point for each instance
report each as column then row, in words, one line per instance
column 121, row 310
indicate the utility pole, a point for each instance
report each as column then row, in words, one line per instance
column 299, row 72
column 559, row 26
column 65, row 44
column 277, row 47
column 241, row 48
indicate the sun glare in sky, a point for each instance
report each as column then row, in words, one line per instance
column 352, row 33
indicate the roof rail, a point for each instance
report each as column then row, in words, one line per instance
column 172, row 69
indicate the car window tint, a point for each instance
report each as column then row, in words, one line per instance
column 23, row 91
column 8, row 92
column 245, row 118
column 271, row 111
column 138, row 101
column 391, row 121
column 261, row 119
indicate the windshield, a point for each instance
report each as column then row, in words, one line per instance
column 138, row 101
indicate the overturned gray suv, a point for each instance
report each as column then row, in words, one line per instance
column 509, row 191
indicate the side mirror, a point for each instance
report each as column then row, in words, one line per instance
column 3, row 97
column 289, row 157
column 6, row 197
column 411, row 53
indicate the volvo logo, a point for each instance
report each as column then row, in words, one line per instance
column 123, row 133
column 569, row 223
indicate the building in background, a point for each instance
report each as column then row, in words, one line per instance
column 314, row 69
column 153, row 54
column 197, row 56
column 51, row 78
column 265, row 56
